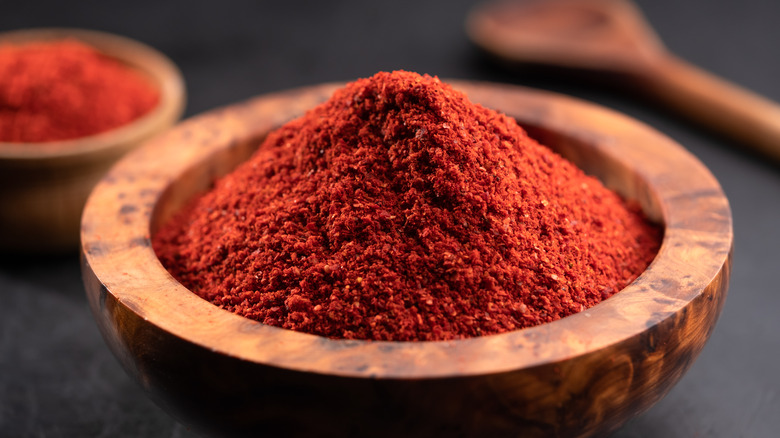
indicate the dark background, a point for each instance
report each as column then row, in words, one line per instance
column 57, row 378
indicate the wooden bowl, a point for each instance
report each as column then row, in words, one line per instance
column 43, row 186
column 584, row 374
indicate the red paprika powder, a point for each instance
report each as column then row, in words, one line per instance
column 65, row 89
column 398, row 210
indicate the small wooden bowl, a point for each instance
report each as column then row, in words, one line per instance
column 582, row 375
column 43, row 186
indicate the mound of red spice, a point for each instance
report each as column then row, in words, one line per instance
column 63, row 90
column 399, row 210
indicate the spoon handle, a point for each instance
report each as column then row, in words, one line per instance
column 743, row 115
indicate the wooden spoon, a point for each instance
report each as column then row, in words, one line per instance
column 611, row 36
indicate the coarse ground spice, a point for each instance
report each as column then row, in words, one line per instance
column 398, row 210
column 61, row 90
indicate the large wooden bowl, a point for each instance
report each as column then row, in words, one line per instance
column 43, row 186
column 584, row 374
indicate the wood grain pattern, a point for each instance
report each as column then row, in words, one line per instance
column 579, row 376
column 43, row 186
column 612, row 38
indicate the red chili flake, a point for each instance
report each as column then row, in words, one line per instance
column 399, row 210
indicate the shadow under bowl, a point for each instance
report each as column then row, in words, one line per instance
column 43, row 186
column 582, row 375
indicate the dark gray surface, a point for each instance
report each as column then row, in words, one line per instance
column 58, row 379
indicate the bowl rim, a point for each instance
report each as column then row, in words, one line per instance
column 695, row 251
column 137, row 55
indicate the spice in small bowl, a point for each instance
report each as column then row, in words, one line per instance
column 61, row 90
column 583, row 374
column 71, row 103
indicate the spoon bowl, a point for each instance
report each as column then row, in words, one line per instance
column 610, row 37
column 601, row 35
